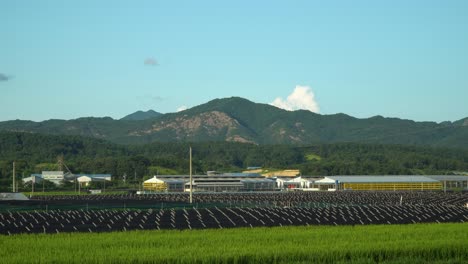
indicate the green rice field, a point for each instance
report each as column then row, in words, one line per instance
column 417, row 243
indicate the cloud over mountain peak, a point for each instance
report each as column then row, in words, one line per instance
column 301, row 98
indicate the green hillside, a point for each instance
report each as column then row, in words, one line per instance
column 239, row 120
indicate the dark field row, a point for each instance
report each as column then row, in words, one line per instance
column 280, row 198
column 123, row 220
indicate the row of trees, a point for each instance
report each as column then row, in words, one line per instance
column 34, row 153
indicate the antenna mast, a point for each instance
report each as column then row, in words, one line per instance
column 14, row 180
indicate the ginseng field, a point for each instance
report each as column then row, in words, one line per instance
column 168, row 211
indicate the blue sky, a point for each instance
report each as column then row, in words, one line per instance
column 69, row 59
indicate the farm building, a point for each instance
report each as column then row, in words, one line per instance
column 258, row 185
column 290, row 183
column 451, row 182
column 57, row 177
column 54, row 176
column 214, row 182
column 390, row 183
column 169, row 185
column 34, row 178
column 86, row 179
column 93, row 177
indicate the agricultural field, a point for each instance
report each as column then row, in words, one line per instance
column 123, row 220
column 108, row 213
column 286, row 227
column 290, row 199
column 416, row 243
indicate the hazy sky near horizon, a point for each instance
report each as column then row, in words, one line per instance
column 70, row 59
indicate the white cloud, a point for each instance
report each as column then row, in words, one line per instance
column 301, row 98
column 182, row 108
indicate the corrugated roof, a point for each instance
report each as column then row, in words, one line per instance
column 376, row 179
column 227, row 175
column 258, row 181
column 173, row 181
column 94, row 175
column 448, row 177
column 219, row 184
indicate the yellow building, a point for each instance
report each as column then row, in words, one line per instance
column 163, row 185
column 375, row 183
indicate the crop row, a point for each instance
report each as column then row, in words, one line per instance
column 122, row 220
column 282, row 198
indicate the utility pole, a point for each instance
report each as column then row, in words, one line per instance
column 191, row 175
column 14, row 176
column 33, row 182
column 134, row 179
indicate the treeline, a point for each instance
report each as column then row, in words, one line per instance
column 364, row 159
column 35, row 152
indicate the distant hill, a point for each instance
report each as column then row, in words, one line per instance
column 140, row 115
column 239, row 120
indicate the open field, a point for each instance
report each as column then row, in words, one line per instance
column 108, row 213
column 91, row 221
column 417, row 243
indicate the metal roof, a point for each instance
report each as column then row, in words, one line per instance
column 173, row 181
column 218, row 184
column 448, row 177
column 376, row 179
column 258, row 181
column 93, row 175
column 52, row 172
column 227, row 175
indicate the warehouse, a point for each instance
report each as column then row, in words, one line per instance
column 86, row 179
column 258, row 185
column 215, row 182
column 384, row 183
column 58, row 177
column 34, row 178
column 451, row 182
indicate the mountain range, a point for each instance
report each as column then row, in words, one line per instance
column 239, row 120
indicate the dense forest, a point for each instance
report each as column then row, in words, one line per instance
column 36, row 152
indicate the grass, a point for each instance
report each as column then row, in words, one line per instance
column 312, row 156
column 419, row 243
column 162, row 171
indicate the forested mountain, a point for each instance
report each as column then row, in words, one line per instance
column 140, row 115
column 239, row 120
column 35, row 152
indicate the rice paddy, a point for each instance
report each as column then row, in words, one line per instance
column 418, row 243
